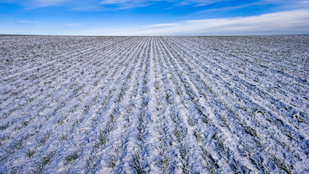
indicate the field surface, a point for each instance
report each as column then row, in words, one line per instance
column 154, row 104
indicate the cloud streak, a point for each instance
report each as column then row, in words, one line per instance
column 288, row 22
column 129, row 4
column 74, row 24
column 161, row 25
column 199, row 2
column 27, row 22
column 43, row 3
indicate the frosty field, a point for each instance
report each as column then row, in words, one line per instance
column 154, row 104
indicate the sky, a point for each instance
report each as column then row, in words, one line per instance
column 154, row 17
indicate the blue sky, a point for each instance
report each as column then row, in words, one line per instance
column 154, row 17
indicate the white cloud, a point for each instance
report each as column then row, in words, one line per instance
column 288, row 22
column 27, row 22
column 116, row 4
column 126, row 4
column 161, row 25
column 74, row 24
column 199, row 2
column 82, row 4
column 115, row 1
column 44, row 3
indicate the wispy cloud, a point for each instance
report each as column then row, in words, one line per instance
column 34, row 4
column 74, row 24
column 107, row 4
column 162, row 25
column 229, row 8
column 7, row 1
column 115, row 1
column 199, row 2
column 27, row 22
column 136, row 3
column 287, row 4
column 43, row 3
column 82, row 4
column 288, row 22
column 128, row 4
column 281, row 5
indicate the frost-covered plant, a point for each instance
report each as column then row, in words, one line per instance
column 180, row 133
column 29, row 153
column 63, row 137
column 71, row 157
column 44, row 139
column 141, row 130
column 157, row 85
column 197, row 135
column 282, row 164
column 45, row 161
column 174, row 118
column 184, row 154
column 163, row 162
column 3, row 127
column 191, row 121
column 136, row 163
column 102, row 138
column 18, row 144
column 25, row 123
column 112, row 161
column 179, row 91
column 169, row 98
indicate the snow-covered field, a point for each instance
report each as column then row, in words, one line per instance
column 154, row 104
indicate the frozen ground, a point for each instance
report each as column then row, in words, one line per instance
column 154, row 104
